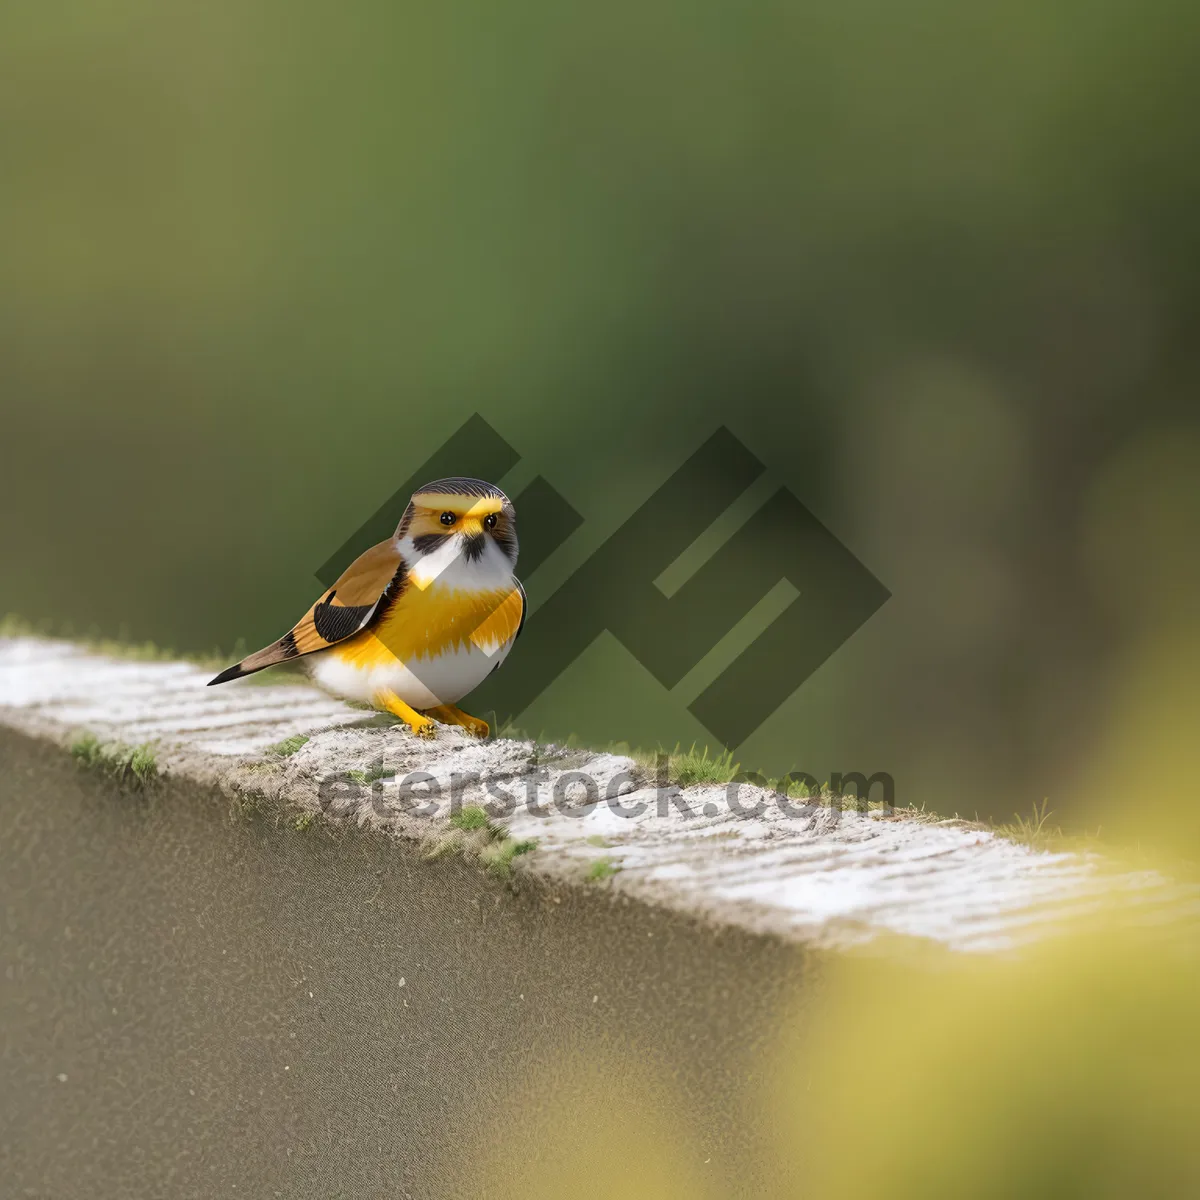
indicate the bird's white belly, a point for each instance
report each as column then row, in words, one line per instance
column 422, row 682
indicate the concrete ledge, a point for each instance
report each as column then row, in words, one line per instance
column 813, row 874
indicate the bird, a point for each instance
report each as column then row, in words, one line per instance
column 421, row 619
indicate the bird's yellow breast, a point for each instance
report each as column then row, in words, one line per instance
column 427, row 622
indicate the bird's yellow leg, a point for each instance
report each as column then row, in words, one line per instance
column 422, row 726
column 448, row 714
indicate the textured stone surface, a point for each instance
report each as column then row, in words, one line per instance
column 807, row 873
column 194, row 1006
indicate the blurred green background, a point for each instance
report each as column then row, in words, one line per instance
column 937, row 265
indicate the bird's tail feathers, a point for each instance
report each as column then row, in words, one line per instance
column 276, row 652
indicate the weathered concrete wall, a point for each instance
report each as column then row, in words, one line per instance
column 744, row 857
column 264, row 977
column 193, row 1005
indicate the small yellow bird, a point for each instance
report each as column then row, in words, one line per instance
column 418, row 621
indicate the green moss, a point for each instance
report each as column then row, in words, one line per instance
column 303, row 822
column 135, row 766
column 697, row 765
column 601, row 868
column 597, row 839
column 247, row 804
column 498, row 856
column 142, row 765
column 368, row 775
column 471, row 817
column 474, row 836
column 693, row 767
column 288, row 746
column 85, row 750
column 1033, row 831
column 371, row 774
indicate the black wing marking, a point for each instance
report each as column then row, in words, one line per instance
column 524, row 609
column 335, row 623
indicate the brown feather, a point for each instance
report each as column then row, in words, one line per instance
column 349, row 607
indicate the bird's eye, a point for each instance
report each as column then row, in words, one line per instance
column 489, row 522
column 448, row 518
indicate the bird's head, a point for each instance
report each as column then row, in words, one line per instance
column 461, row 519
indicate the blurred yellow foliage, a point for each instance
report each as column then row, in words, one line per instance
column 1072, row 1070
column 1142, row 778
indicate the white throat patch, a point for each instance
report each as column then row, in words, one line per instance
column 448, row 567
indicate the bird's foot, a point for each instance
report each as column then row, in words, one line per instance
column 418, row 723
column 448, row 714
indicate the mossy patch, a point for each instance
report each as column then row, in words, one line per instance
column 288, row 746
column 371, row 774
column 695, row 767
column 471, row 817
column 134, row 766
column 274, row 809
column 685, row 768
column 498, row 856
column 601, row 868
column 473, row 835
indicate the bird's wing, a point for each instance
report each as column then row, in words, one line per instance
column 347, row 608
column 524, row 608
column 523, row 600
